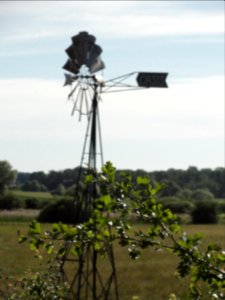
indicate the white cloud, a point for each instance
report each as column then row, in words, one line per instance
column 38, row 133
column 188, row 108
column 42, row 20
column 36, row 109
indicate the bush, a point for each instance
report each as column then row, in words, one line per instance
column 45, row 284
column 205, row 212
column 176, row 205
column 60, row 190
column 184, row 194
column 63, row 210
column 202, row 194
column 221, row 206
column 35, row 203
column 71, row 190
column 10, row 202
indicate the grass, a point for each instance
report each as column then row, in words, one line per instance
column 14, row 258
column 150, row 277
column 39, row 195
column 33, row 194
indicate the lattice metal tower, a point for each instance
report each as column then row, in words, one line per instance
column 92, row 278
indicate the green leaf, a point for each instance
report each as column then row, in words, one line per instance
column 109, row 171
column 35, row 227
column 62, row 251
column 88, row 178
column 221, row 257
column 106, row 233
column 142, row 180
column 56, row 227
column 49, row 247
column 97, row 246
column 106, row 199
column 22, row 239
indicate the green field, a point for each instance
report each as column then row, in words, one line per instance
column 42, row 195
column 150, row 277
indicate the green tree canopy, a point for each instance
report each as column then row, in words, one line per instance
column 34, row 186
column 202, row 194
column 7, row 175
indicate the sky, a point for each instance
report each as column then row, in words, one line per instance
column 150, row 129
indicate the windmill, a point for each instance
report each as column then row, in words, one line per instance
column 86, row 87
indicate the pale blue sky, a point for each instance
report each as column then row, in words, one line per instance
column 152, row 129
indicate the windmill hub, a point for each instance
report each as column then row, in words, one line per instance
column 100, row 80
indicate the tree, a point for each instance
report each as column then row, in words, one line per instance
column 171, row 189
column 219, row 175
column 7, row 175
column 202, row 194
column 60, row 190
column 184, row 194
column 54, row 179
column 40, row 176
column 34, row 186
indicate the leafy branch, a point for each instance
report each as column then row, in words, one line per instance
column 115, row 203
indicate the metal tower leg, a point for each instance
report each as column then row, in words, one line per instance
column 93, row 277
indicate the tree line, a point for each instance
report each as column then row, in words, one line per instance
column 184, row 191
column 177, row 181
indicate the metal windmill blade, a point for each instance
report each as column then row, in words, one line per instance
column 84, row 60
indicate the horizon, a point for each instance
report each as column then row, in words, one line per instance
column 117, row 169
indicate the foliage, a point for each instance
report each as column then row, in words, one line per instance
column 205, row 212
column 109, row 222
column 193, row 178
column 176, row 205
column 63, row 210
column 10, row 201
column 33, row 200
column 171, row 189
column 175, row 179
column 202, row 194
column 71, row 190
column 7, row 175
column 14, row 200
column 43, row 285
column 60, row 190
column 35, row 203
column 221, row 206
column 34, row 186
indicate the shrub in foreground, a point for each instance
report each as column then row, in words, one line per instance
column 109, row 223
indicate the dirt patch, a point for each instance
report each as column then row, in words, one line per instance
column 20, row 212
